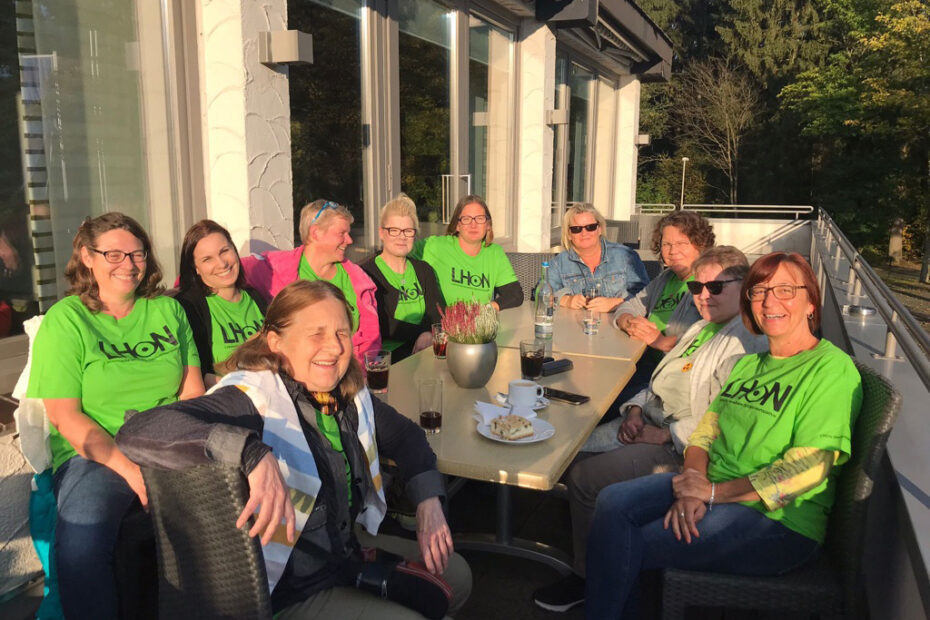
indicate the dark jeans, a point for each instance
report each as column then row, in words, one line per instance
column 627, row 536
column 92, row 501
column 639, row 380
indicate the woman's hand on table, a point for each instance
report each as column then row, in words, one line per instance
column 433, row 535
column 692, row 483
column 269, row 494
column 423, row 341
column 575, row 302
column 603, row 304
column 643, row 329
column 683, row 516
column 632, row 425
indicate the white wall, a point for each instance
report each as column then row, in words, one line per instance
column 246, row 124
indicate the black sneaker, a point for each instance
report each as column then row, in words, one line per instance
column 562, row 595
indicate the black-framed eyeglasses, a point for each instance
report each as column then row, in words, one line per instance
column 783, row 292
column 477, row 219
column 588, row 227
column 714, row 287
column 118, row 256
column 397, row 232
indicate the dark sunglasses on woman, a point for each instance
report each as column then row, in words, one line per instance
column 588, row 227
column 714, row 287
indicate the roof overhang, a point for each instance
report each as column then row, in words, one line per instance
column 616, row 29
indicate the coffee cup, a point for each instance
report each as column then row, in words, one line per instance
column 524, row 393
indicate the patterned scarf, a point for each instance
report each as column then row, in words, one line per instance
column 283, row 432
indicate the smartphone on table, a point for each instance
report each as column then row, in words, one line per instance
column 565, row 397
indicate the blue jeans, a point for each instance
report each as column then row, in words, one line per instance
column 92, row 501
column 627, row 536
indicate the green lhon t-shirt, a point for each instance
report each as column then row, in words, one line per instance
column 462, row 277
column 233, row 323
column 341, row 281
column 112, row 365
column 768, row 405
column 411, row 306
column 674, row 291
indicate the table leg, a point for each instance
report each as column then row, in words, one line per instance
column 504, row 542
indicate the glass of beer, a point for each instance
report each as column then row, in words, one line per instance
column 377, row 366
column 439, row 341
column 430, row 405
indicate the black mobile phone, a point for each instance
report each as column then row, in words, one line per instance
column 565, row 397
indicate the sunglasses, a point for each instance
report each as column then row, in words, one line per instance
column 714, row 287
column 588, row 227
column 326, row 205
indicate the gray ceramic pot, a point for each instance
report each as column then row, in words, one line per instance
column 471, row 365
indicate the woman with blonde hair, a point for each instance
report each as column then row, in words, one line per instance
column 589, row 263
column 407, row 293
column 324, row 235
column 113, row 344
column 468, row 265
column 299, row 420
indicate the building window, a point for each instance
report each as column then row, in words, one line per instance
column 490, row 79
column 90, row 145
column 326, row 108
column 424, row 56
column 572, row 165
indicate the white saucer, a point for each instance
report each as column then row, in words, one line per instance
column 542, row 431
column 540, row 403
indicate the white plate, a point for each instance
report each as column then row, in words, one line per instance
column 540, row 404
column 542, row 431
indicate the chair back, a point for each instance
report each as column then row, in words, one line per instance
column 528, row 267
column 846, row 531
column 208, row 569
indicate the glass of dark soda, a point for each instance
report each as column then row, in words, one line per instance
column 532, row 354
column 377, row 367
column 430, row 405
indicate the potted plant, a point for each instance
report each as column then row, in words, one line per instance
column 471, row 352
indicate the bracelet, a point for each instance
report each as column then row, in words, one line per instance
column 713, row 492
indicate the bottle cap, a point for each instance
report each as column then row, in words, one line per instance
column 545, row 263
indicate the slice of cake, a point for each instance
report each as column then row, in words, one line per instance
column 511, row 427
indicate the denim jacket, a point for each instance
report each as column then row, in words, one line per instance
column 620, row 273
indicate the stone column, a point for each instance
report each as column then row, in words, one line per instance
column 535, row 96
column 246, row 124
column 624, row 197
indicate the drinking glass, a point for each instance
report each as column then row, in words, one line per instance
column 430, row 405
column 377, row 366
column 439, row 341
column 532, row 354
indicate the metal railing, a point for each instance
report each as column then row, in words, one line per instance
column 901, row 327
column 661, row 208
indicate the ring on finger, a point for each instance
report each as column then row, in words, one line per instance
column 681, row 514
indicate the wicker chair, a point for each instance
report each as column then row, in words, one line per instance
column 832, row 584
column 208, row 569
column 528, row 267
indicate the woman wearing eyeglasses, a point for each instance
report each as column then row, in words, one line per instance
column 759, row 474
column 651, row 435
column 592, row 272
column 407, row 292
column 468, row 266
column 324, row 233
column 114, row 343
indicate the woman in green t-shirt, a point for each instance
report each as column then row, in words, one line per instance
column 759, row 474
column 222, row 311
column 114, row 344
column 407, row 292
column 468, row 266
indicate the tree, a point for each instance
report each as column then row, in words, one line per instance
column 715, row 106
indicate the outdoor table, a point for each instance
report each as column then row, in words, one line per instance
column 568, row 337
column 461, row 451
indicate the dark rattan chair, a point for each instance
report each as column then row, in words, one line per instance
column 528, row 267
column 831, row 585
column 207, row 568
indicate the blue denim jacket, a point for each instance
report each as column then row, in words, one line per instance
column 621, row 273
